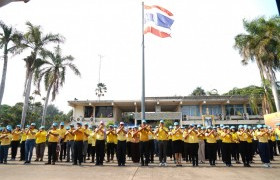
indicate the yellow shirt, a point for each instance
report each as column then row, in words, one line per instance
column 263, row 138
column 100, row 135
column 79, row 134
column 151, row 136
column 211, row 138
column 62, row 132
column 93, row 137
column 23, row 136
column 129, row 136
column 121, row 136
column 16, row 135
column 143, row 134
column 53, row 138
column 162, row 134
column 234, row 137
column 110, row 137
column 226, row 138
column 41, row 137
column 86, row 131
column 31, row 136
column 6, row 140
column 177, row 135
column 193, row 137
column 185, row 139
column 69, row 136
column 169, row 135
column 255, row 136
column 201, row 136
column 242, row 136
column 273, row 136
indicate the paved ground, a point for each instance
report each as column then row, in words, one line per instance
column 39, row 171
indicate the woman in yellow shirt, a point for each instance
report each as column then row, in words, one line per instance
column 110, row 145
column 263, row 145
column 78, row 144
column 169, row 151
column 135, row 150
column 100, row 144
column 30, row 143
column 144, row 143
column 53, row 138
column 162, row 133
column 121, row 147
column 211, row 140
column 41, row 137
column 22, row 143
column 15, row 141
column 193, row 144
column 177, row 143
column 5, row 138
column 226, row 146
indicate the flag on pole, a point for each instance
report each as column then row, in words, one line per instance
column 158, row 21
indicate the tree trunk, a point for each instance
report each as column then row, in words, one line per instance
column 4, row 73
column 26, row 98
column 46, row 106
column 274, row 89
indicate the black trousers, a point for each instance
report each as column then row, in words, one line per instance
column 78, row 151
column 274, row 148
column 270, row 150
column 187, row 152
column 219, row 148
column 135, row 153
column 169, row 148
column 100, row 147
column 121, row 152
column 22, row 150
column 162, row 145
column 151, row 150
column 110, row 151
column 92, row 153
column 278, row 144
column 212, row 152
column 255, row 147
column 235, row 151
column 243, row 149
column 52, row 151
column 250, row 150
column 128, row 149
column 193, row 149
column 14, row 148
column 62, row 150
column 226, row 152
column 144, row 152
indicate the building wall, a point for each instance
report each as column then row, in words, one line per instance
column 78, row 112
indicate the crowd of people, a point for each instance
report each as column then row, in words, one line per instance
column 141, row 144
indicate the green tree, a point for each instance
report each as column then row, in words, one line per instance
column 100, row 90
column 261, row 44
column 198, row 92
column 53, row 73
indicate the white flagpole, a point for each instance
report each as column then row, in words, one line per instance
column 143, row 66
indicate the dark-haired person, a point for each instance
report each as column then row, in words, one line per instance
column 144, row 143
column 193, row 144
column 110, row 148
column 162, row 133
column 100, row 144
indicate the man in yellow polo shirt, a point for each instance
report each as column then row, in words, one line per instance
column 226, row 146
column 110, row 143
column 121, row 147
column 85, row 141
column 78, row 144
column 41, row 138
column 162, row 133
column 144, row 143
column 243, row 136
column 30, row 143
column 100, row 144
column 263, row 145
column 5, row 138
column 62, row 131
column 69, row 143
column 15, row 141
column 53, row 139
column 22, row 143
column 277, row 132
column 211, row 139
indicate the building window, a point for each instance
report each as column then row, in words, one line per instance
column 251, row 112
column 88, row 111
column 104, row 111
column 234, row 110
column 190, row 110
column 213, row 109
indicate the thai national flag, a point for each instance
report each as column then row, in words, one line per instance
column 158, row 21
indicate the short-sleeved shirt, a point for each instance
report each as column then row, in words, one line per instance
column 177, row 135
column 41, row 137
column 226, row 138
column 193, row 137
column 79, row 134
column 6, row 140
column 53, row 138
column 121, row 136
column 211, row 138
column 162, row 134
column 29, row 135
column 16, row 135
column 143, row 134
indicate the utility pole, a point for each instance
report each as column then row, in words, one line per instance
column 100, row 58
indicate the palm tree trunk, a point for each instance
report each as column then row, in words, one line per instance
column 26, row 98
column 46, row 106
column 274, row 88
column 4, row 73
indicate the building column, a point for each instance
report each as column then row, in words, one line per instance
column 200, row 110
column 245, row 108
column 93, row 116
column 135, row 121
column 223, row 111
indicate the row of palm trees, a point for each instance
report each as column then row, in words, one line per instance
column 261, row 44
column 42, row 65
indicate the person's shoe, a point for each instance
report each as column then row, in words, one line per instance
column 160, row 164
column 80, row 164
column 88, row 158
column 47, row 163
column 266, row 165
column 41, row 160
column 36, row 160
column 74, row 164
column 53, row 163
column 165, row 164
column 238, row 162
column 67, row 161
column 5, row 162
column 26, row 162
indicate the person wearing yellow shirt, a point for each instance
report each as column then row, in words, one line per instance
column 69, row 143
column 144, row 143
column 211, row 140
column 30, row 143
column 22, row 143
column 272, row 143
column 177, row 143
column 62, row 131
column 128, row 142
column 85, row 141
column 162, row 133
column 263, row 135
column 135, row 150
column 89, row 143
column 100, row 144
column 78, row 144
column 219, row 141
column 93, row 151
column 250, row 144
column 186, row 144
column 41, row 138
column 15, row 141
column 243, row 146
column 151, row 138
column 5, row 138
column 235, row 145
column 226, row 146
column 255, row 141
column 201, row 144
column 193, row 144
column 277, row 132
column 169, row 151
column 121, row 147
column 53, row 136
column 110, row 143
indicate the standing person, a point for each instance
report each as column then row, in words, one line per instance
column 5, row 139
column 110, row 143
column 255, row 141
column 144, row 143
column 16, row 135
column 30, row 143
column 186, row 144
column 151, row 138
column 243, row 137
column 235, row 145
column 62, row 131
column 169, row 150
column 226, row 146
column 277, row 132
column 219, row 142
column 201, row 144
column 128, row 142
column 53, row 138
column 78, row 144
column 85, row 141
column 177, row 144
column 162, row 134
column 193, row 144
column 264, row 146
column 100, row 144
column 270, row 143
column 93, row 143
column 89, row 143
column 121, row 147
column 41, row 138
column 250, row 144
column 211, row 138
column 22, row 143
column 135, row 153
column 69, row 143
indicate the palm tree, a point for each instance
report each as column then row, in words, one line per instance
column 53, row 73
column 198, row 92
column 100, row 90
column 7, row 37
column 35, row 41
column 261, row 44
